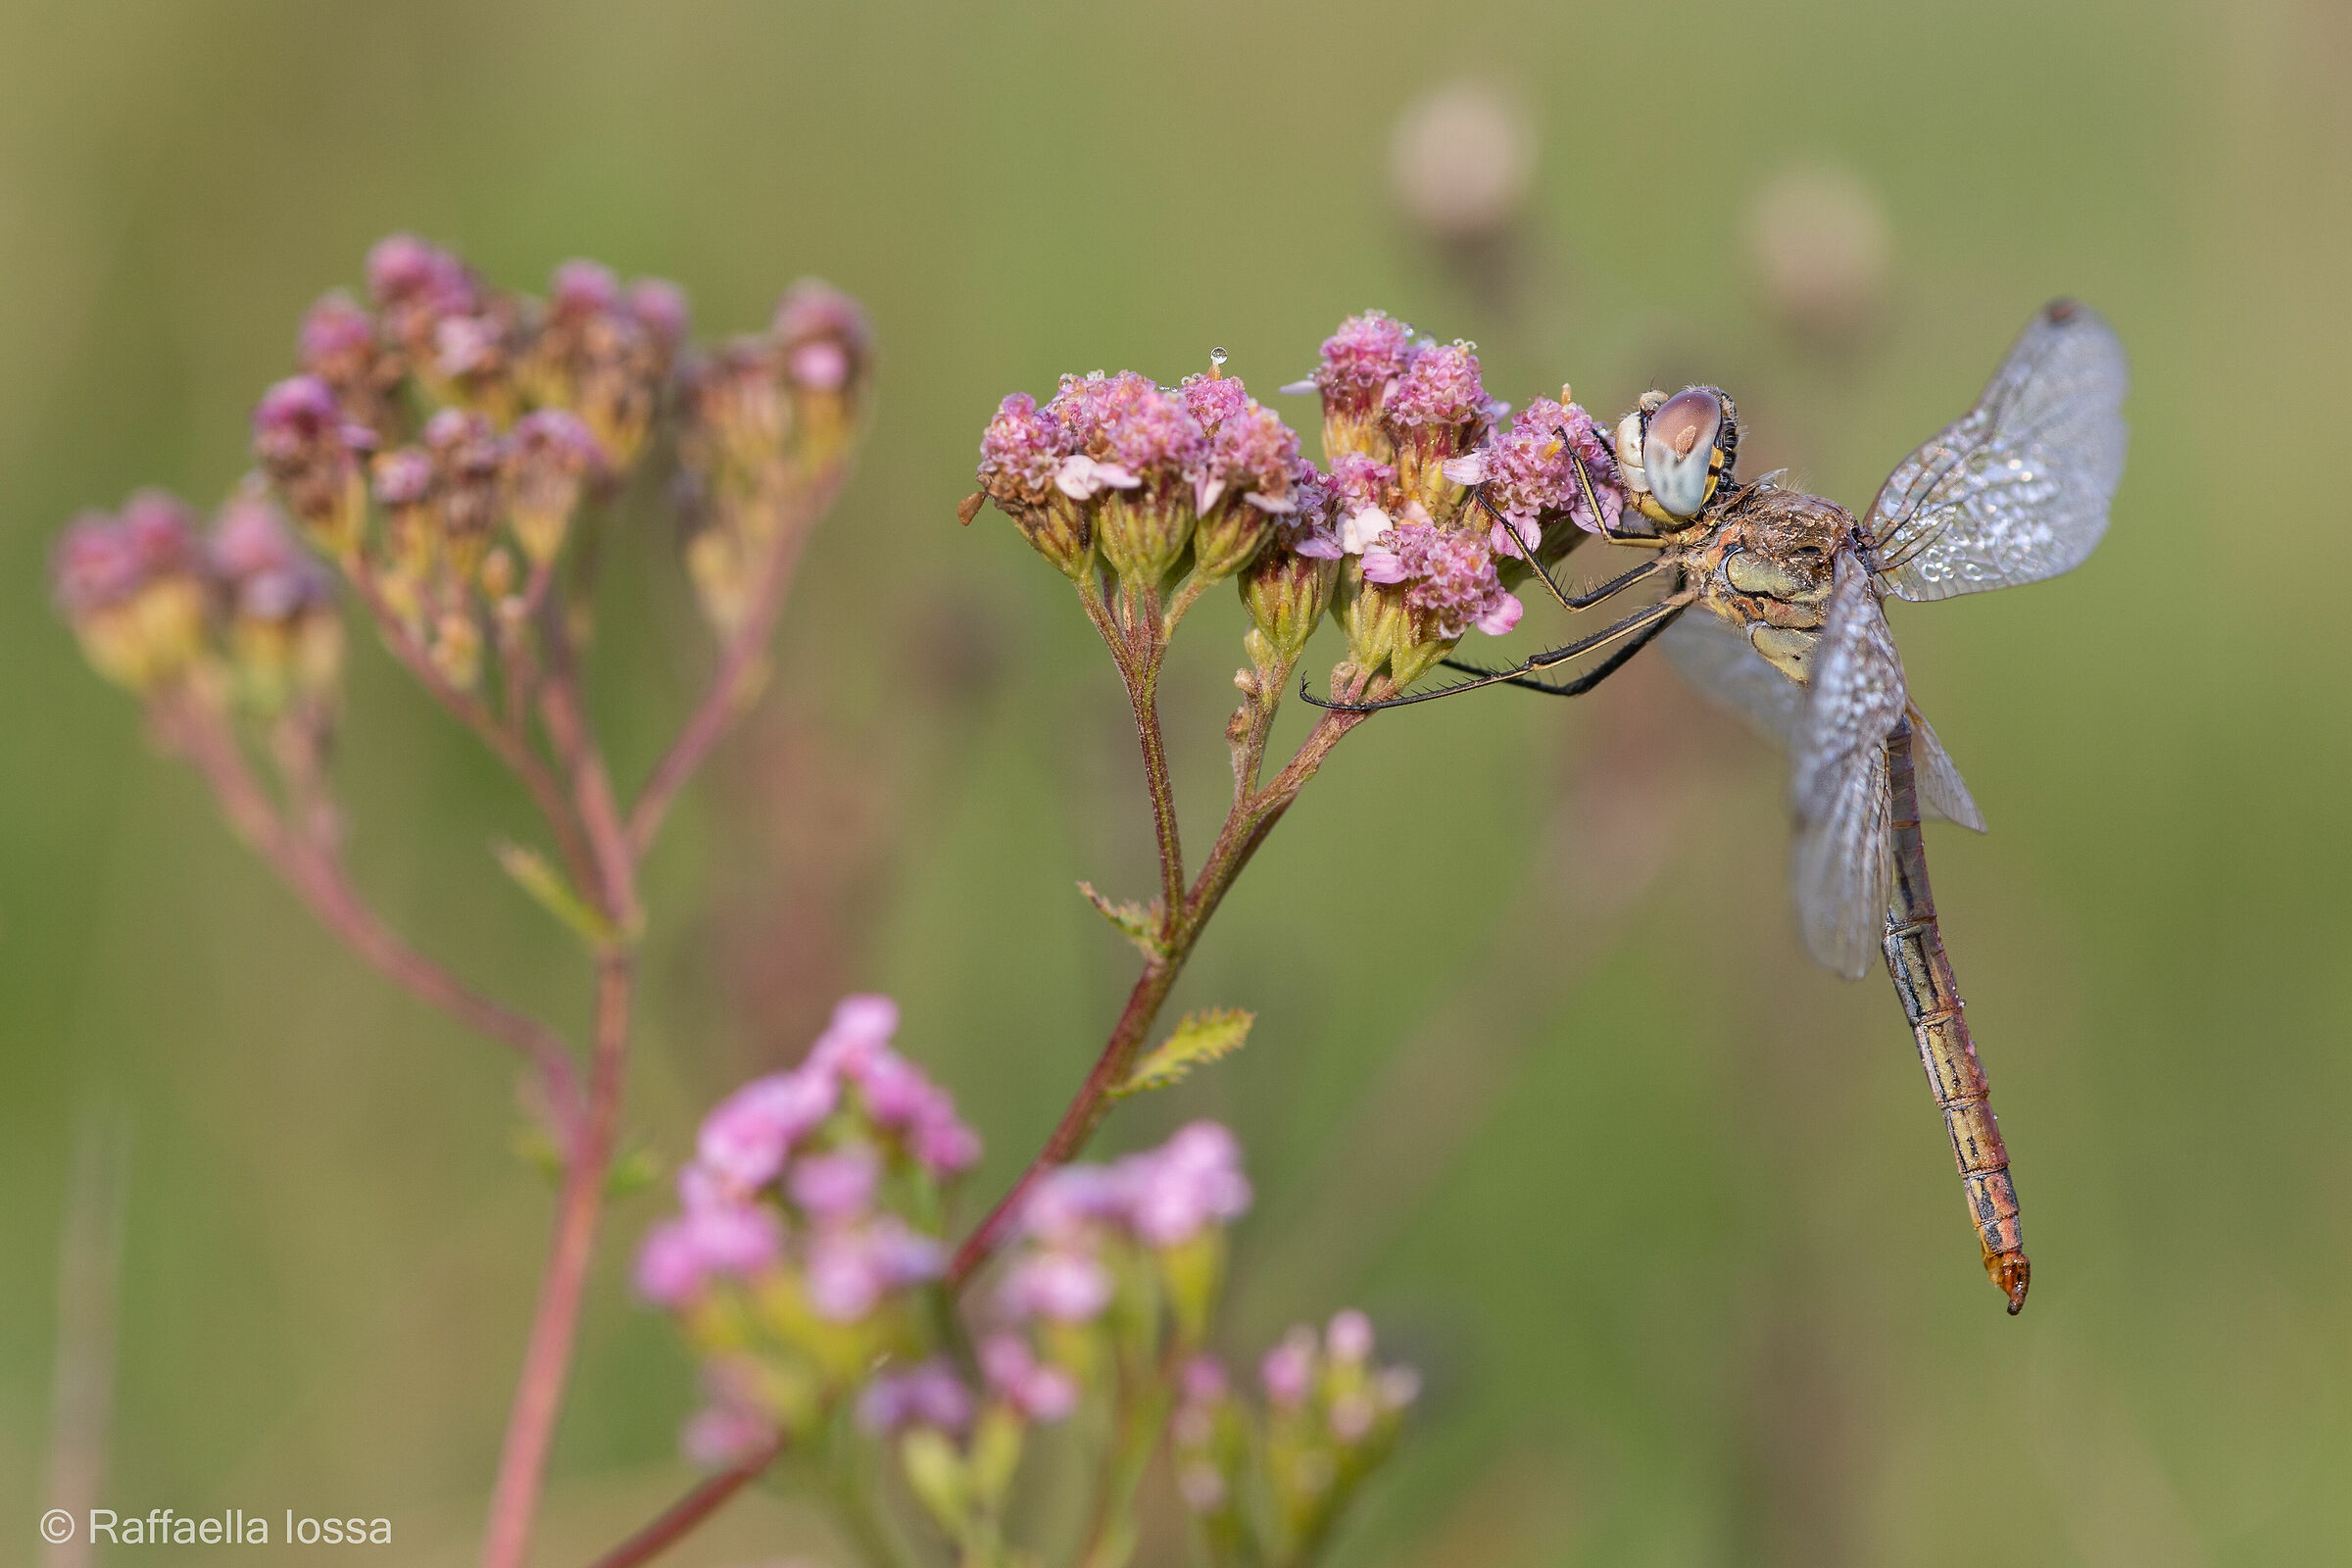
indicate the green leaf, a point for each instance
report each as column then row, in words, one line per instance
column 1200, row 1037
column 1139, row 923
column 548, row 888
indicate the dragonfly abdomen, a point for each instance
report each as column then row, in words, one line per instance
column 1923, row 977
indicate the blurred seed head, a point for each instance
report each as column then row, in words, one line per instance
column 1462, row 161
column 1819, row 239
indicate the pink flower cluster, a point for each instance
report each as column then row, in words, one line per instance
column 250, row 566
column 1449, row 574
column 1530, row 478
column 1360, row 360
column 1118, row 432
column 103, row 559
column 789, row 1171
column 1161, row 1198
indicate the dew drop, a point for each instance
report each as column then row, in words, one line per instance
column 1216, row 356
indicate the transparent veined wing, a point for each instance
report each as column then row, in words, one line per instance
column 1841, row 869
column 1725, row 669
column 1942, row 792
column 2017, row 489
column 1719, row 663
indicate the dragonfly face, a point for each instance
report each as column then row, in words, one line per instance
column 1676, row 453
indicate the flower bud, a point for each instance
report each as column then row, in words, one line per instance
column 738, row 411
column 1423, row 587
column 1286, row 592
column 285, row 631
column 548, row 457
column 457, row 648
column 312, row 452
column 827, row 352
column 131, row 587
column 469, row 468
column 594, row 356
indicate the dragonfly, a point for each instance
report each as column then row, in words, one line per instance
column 1773, row 607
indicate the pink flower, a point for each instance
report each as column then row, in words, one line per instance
column 1449, row 575
column 338, row 338
column 850, row 1271
column 824, row 334
column 1350, row 1336
column 1021, row 453
column 584, row 288
column 268, row 576
column 1440, row 386
column 721, row 1434
column 1192, row 1181
column 746, row 1136
column 1289, row 1369
column 928, row 1393
column 659, row 307
column 1360, row 360
column 1066, row 1285
column 1529, row 476
column 1147, row 431
column 1040, row 1391
column 679, row 1256
column 836, row 1187
column 104, row 560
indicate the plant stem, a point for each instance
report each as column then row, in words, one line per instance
column 681, row 1517
column 546, row 1356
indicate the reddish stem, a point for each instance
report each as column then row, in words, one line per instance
column 681, row 1517
column 555, row 1325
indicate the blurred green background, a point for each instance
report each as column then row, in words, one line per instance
column 1541, row 1076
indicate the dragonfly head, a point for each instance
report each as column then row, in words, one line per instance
column 1677, row 453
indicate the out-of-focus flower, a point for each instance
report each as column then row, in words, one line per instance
column 594, row 355
column 1038, row 1391
column 806, row 1233
column 285, row 634
column 550, row 456
column 1461, row 160
column 130, row 586
column 826, row 348
column 718, row 1435
column 311, row 452
column 1822, row 250
column 929, row 1394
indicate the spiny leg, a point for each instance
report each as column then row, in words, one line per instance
column 1644, row 618
column 1569, row 601
column 1590, row 678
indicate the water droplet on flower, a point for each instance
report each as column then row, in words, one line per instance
column 1216, row 358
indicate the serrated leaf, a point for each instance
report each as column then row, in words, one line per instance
column 1139, row 923
column 1200, row 1037
column 548, row 888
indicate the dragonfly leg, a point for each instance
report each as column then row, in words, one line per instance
column 1651, row 618
column 1590, row 678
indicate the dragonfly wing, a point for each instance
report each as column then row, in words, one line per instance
column 1843, row 867
column 1942, row 792
column 2017, row 489
column 1721, row 666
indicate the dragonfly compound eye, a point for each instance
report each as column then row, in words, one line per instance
column 1685, row 450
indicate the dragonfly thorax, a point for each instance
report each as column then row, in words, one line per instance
column 1767, row 567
